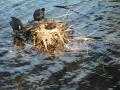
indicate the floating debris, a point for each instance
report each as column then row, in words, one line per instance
column 47, row 36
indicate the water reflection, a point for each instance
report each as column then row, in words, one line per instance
column 97, row 19
column 18, row 42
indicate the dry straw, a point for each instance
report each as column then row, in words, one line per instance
column 50, row 36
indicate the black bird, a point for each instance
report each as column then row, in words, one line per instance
column 16, row 24
column 39, row 14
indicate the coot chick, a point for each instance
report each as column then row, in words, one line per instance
column 39, row 14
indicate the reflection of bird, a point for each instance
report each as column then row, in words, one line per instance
column 18, row 42
column 39, row 14
column 16, row 23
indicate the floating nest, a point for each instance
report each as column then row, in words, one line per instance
column 50, row 36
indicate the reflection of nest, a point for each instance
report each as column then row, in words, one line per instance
column 50, row 36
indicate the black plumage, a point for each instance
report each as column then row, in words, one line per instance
column 39, row 14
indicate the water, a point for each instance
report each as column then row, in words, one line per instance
column 29, row 70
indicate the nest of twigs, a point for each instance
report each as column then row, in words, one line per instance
column 50, row 36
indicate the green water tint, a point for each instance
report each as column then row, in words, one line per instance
column 115, row 0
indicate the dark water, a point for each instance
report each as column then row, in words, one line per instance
column 95, row 67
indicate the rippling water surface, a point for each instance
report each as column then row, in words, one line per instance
column 26, row 69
